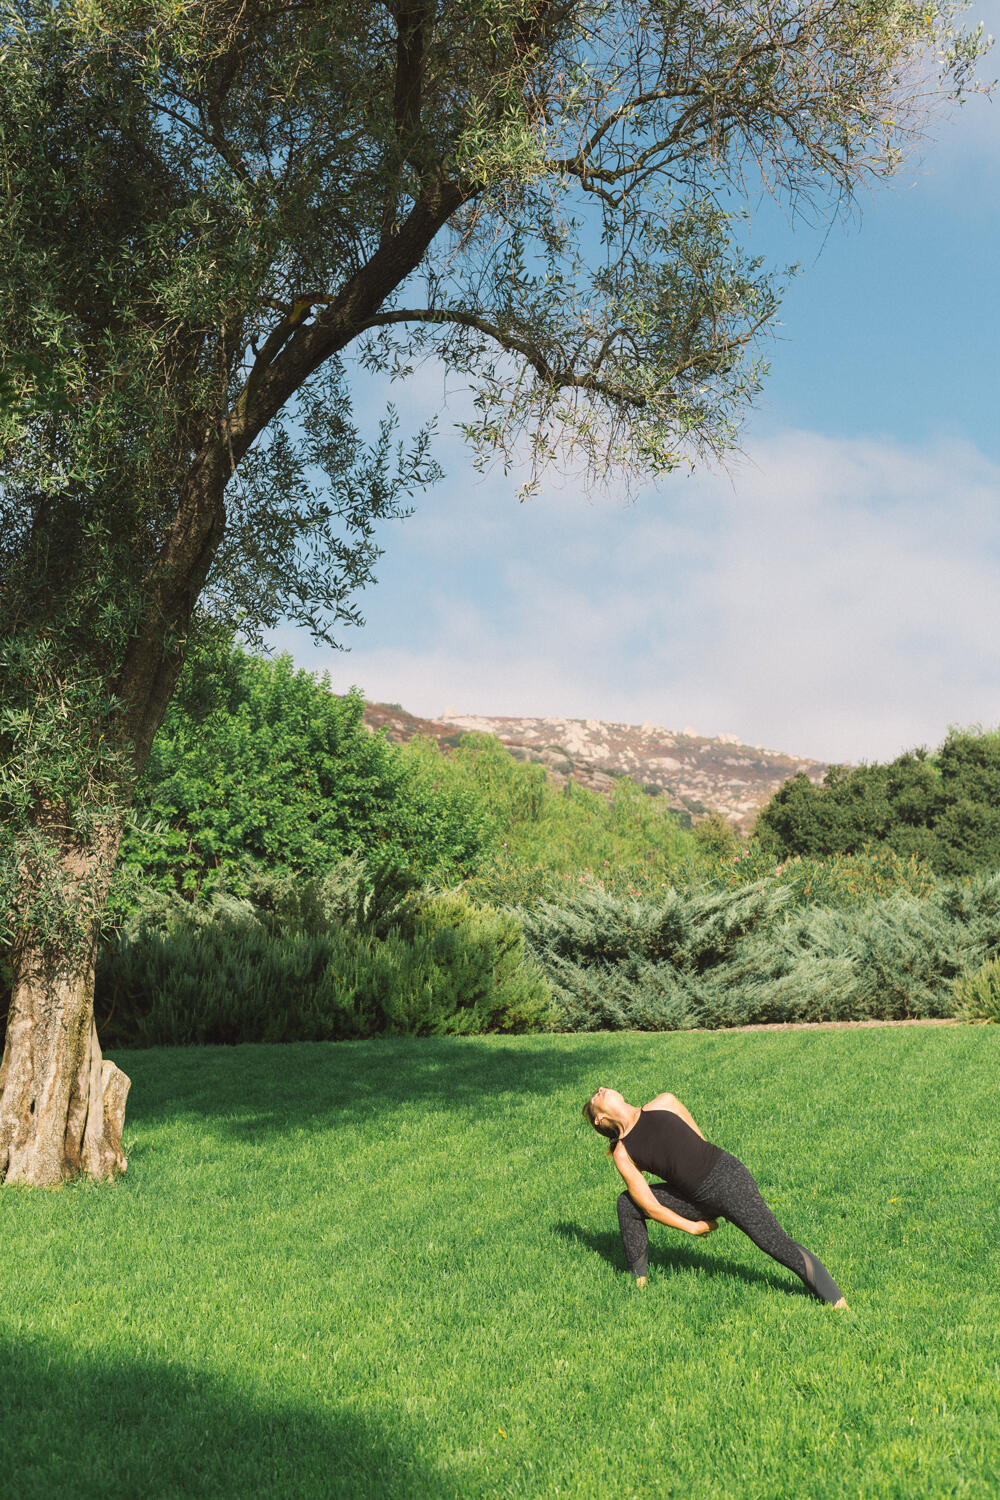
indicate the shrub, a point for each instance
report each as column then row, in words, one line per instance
column 350, row 894
column 259, row 768
column 716, row 837
column 977, row 995
column 888, row 960
column 838, row 880
column 944, row 807
column 706, row 957
column 690, row 931
column 549, row 830
column 223, row 972
column 259, row 772
column 630, row 963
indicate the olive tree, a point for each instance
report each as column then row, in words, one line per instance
column 209, row 207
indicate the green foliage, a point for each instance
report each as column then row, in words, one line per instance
column 304, row 838
column 685, row 862
column 353, row 893
column 222, row 972
column 707, row 957
column 977, row 995
column 631, row 963
column 716, row 837
column 942, row 808
column 173, row 176
column 550, row 833
column 349, row 894
column 839, row 880
column 260, row 774
column 207, row 210
column 260, row 770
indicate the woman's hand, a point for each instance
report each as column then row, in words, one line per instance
column 642, row 1196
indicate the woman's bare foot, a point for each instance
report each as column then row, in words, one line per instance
column 641, row 1281
column 841, row 1303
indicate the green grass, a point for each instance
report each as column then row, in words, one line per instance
column 391, row 1269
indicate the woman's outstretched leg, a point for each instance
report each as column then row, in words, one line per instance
column 731, row 1192
column 632, row 1222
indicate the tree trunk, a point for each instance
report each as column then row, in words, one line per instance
column 62, row 1106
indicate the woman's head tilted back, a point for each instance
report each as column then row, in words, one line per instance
column 602, row 1110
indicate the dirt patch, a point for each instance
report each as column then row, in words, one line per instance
column 836, row 1025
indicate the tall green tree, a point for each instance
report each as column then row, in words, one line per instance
column 206, row 205
column 259, row 769
column 944, row 807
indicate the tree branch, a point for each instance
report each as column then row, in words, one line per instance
column 213, row 138
column 559, row 378
column 556, row 378
column 412, row 18
column 295, row 348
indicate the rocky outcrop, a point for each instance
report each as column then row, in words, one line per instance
column 696, row 774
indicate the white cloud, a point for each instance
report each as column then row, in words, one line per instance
column 869, row 616
column 835, row 598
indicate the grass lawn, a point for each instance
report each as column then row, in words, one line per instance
column 392, row 1269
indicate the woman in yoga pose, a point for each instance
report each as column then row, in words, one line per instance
column 702, row 1183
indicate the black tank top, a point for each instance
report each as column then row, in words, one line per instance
column 661, row 1142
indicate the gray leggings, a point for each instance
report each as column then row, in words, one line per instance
column 728, row 1192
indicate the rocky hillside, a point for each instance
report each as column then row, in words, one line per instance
column 694, row 773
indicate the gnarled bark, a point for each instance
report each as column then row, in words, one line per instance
column 62, row 1106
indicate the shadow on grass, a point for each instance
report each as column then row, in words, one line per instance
column 608, row 1245
column 257, row 1089
column 141, row 1430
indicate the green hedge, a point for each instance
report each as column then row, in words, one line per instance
column 325, row 960
column 711, row 958
column 359, row 954
column 977, row 995
column 229, row 974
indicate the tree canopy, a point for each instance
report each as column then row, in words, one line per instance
column 259, row 769
column 944, row 807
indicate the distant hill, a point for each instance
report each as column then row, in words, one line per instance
column 696, row 774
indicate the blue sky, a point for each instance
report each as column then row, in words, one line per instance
column 835, row 594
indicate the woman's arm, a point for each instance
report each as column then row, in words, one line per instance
column 642, row 1196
